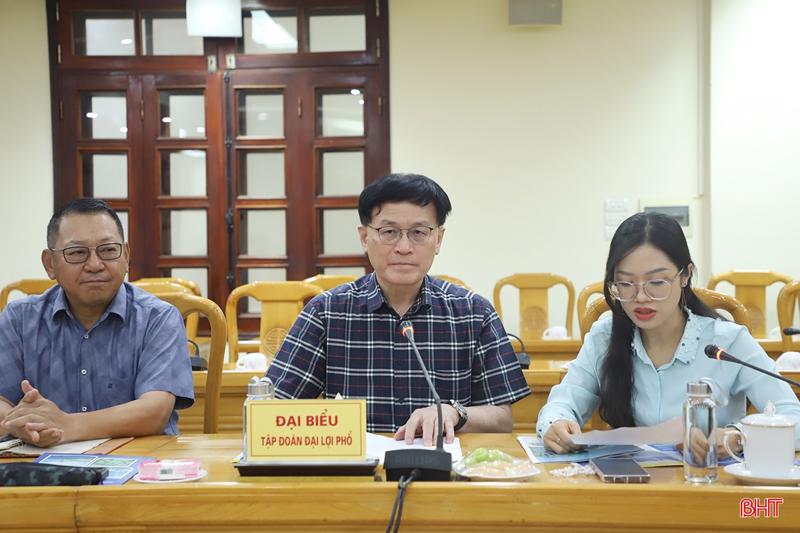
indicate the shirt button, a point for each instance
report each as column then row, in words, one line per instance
column 84, row 409
column 83, row 371
column 86, row 336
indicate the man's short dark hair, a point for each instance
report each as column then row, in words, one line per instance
column 81, row 206
column 413, row 188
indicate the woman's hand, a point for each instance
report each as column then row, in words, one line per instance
column 558, row 436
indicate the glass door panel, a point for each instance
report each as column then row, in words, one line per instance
column 184, row 232
column 103, row 115
column 105, row 175
column 183, row 173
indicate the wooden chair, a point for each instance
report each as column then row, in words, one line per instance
column 327, row 282
column 751, row 290
column 583, row 301
column 713, row 299
column 26, row 286
column 161, row 286
column 533, row 290
column 281, row 302
column 453, row 280
column 189, row 304
column 189, row 284
column 787, row 301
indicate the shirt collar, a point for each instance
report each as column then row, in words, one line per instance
column 376, row 300
column 118, row 305
column 687, row 347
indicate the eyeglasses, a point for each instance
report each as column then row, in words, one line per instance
column 392, row 235
column 655, row 289
column 80, row 254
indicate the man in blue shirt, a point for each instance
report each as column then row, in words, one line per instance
column 92, row 357
column 348, row 341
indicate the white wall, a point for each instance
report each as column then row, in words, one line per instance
column 26, row 161
column 755, row 137
column 529, row 129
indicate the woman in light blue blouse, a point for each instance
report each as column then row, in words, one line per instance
column 635, row 365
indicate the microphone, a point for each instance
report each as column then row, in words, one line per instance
column 432, row 465
column 791, row 331
column 715, row 352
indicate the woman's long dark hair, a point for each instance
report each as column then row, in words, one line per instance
column 616, row 383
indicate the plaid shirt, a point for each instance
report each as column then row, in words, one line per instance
column 348, row 341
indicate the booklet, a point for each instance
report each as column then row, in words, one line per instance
column 120, row 468
column 537, row 453
column 17, row 448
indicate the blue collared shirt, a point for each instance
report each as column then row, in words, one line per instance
column 659, row 393
column 138, row 345
column 348, row 341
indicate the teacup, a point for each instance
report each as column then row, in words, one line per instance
column 768, row 444
column 252, row 361
column 555, row 332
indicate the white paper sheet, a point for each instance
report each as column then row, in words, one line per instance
column 378, row 445
column 669, row 432
column 70, row 447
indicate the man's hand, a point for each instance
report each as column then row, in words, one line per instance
column 424, row 421
column 734, row 442
column 558, row 436
column 35, row 419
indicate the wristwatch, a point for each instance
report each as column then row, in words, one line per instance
column 463, row 415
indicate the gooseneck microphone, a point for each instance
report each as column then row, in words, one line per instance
column 791, row 331
column 433, row 465
column 715, row 352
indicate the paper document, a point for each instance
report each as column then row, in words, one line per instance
column 29, row 450
column 669, row 432
column 378, row 445
column 537, row 453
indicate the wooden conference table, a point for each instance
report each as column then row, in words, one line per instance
column 225, row 501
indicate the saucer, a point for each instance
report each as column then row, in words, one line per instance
column 200, row 475
column 740, row 472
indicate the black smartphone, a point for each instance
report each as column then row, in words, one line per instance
column 619, row 470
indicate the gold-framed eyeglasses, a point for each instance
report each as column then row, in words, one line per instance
column 655, row 289
column 416, row 234
column 80, row 254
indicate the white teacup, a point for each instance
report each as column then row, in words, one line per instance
column 768, row 443
column 555, row 332
column 252, row 361
column 789, row 361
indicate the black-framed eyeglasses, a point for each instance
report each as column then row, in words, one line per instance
column 416, row 234
column 80, row 254
column 655, row 289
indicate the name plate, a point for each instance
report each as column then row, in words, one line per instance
column 299, row 430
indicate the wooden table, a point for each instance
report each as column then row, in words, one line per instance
column 224, row 501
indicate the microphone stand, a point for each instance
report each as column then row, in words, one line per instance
column 715, row 352
column 425, row 465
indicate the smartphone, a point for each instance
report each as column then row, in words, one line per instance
column 617, row 470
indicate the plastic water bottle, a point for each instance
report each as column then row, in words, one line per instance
column 700, row 428
column 257, row 389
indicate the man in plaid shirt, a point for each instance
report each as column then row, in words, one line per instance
column 348, row 341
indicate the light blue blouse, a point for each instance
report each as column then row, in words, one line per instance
column 659, row 393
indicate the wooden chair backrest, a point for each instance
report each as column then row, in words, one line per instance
column 281, row 303
column 189, row 304
column 453, row 280
column 161, row 286
column 327, row 282
column 787, row 301
column 26, row 286
column 583, row 301
column 751, row 290
column 533, row 289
